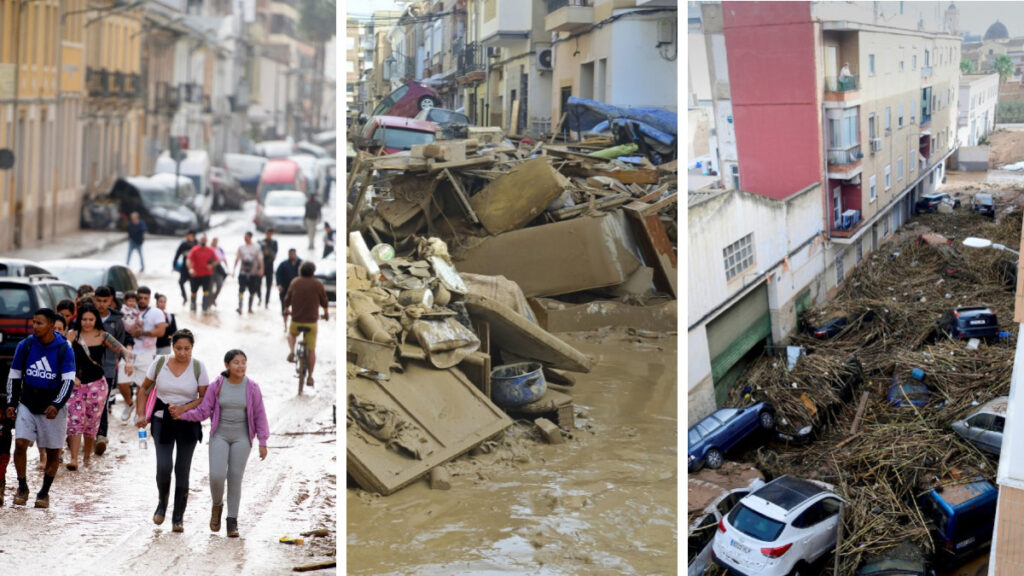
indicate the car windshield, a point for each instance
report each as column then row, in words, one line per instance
column 754, row 524
column 79, row 276
column 406, row 139
column 159, row 196
column 286, row 200
column 15, row 301
column 442, row 116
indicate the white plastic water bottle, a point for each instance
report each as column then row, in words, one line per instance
column 142, row 438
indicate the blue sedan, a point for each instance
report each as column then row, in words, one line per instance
column 719, row 432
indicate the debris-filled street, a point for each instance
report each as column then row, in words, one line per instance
column 512, row 349
column 868, row 409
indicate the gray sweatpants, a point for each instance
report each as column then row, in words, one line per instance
column 229, row 451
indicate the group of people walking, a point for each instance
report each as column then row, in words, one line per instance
column 57, row 389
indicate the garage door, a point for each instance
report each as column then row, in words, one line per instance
column 743, row 326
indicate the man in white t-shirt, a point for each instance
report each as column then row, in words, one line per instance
column 154, row 323
column 250, row 256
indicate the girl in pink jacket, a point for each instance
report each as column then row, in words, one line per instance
column 235, row 404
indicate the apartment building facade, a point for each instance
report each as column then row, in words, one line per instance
column 863, row 98
column 976, row 111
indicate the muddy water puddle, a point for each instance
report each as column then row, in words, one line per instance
column 604, row 502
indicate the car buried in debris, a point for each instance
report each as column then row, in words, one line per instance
column 712, row 437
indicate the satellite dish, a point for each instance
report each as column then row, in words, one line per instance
column 6, row 159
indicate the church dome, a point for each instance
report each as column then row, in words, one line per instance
column 997, row 31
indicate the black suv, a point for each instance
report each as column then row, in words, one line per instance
column 19, row 299
column 969, row 322
column 930, row 202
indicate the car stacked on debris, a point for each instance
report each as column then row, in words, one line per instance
column 931, row 202
column 984, row 204
column 984, row 427
column 969, row 322
column 782, row 528
column 713, row 436
column 709, row 499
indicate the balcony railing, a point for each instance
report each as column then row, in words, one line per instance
column 556, row 4
column 471, row 59
column 835, row 84
column 97, row 82
column 845, row 155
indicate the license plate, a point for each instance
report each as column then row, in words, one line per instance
column 739, row 547
column 977, row 322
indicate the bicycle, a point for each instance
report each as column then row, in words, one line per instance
column 301, row 359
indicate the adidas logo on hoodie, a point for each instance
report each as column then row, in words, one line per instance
column 41, row 369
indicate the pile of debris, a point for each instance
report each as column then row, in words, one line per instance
column 881, row 457
column 432, row 353
column 555, row 219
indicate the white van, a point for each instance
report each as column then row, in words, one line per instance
column 196, row 167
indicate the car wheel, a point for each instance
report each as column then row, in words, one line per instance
column 797, row 570
column 767, row 420
column 427, row 102
column 218, row 200
column 713, row 459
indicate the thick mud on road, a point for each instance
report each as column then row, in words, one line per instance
column 604, row 502
column 100, row 517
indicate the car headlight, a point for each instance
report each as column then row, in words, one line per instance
column 691, row 458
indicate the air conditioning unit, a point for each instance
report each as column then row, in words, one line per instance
column 544, row 59
column 876, row 144
column 493, row 51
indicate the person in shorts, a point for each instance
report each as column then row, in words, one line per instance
column 39, row 384
column 305, row 296
column 250, row 277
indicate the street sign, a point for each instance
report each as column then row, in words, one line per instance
column 177, row 148
column 6, row 159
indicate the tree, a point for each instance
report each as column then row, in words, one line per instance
column 317, row 24
column 1004, row 66
column 966, row 67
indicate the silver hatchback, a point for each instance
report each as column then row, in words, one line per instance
column 984, row 427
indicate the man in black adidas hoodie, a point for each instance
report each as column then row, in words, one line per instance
column 39, row 384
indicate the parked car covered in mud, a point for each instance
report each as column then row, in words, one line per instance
column 712, row 437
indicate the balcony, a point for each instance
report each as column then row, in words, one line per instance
column 840, row 234
column 845, row 163
column 926, row 119
column 568, row 15
column 96, row 82
column 505, row 22
column 842, row 93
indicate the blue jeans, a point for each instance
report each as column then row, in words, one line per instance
column 133, row 247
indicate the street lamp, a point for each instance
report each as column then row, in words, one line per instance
column 973, row 242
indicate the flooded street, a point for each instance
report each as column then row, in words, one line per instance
column 100, row 516
column 604, row 502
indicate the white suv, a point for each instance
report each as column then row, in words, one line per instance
column 781, row 529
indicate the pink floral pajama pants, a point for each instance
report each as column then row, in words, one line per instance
column 85, row 408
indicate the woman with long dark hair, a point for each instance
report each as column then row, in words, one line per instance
column 179, row 383
column 89, row 341
column 235, row 404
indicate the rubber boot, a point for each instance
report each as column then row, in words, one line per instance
column 215, row 515
column 161, row 506
column 180, row 501
column 232, row 527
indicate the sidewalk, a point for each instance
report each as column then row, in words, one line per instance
column 85, row 243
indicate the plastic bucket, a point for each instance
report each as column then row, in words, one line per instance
column 514, row 385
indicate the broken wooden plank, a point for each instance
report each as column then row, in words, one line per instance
column 655, row 245
column 860, row 412
column 460, row 193
column 514, row 199
column 605, row 203
column 434, row 166
column 316, row 566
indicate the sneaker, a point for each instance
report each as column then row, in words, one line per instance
column 101, row 445
column 126, row 413
column 291, row 356
column 21, row 497
column 43, row 501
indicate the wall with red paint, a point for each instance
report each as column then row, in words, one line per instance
column 773, row 80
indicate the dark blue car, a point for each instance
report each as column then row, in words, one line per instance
column 710, row 438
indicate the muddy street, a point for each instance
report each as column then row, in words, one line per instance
column 101, row 514
column 604, row 502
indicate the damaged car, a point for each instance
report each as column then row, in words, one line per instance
column 712, row 437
